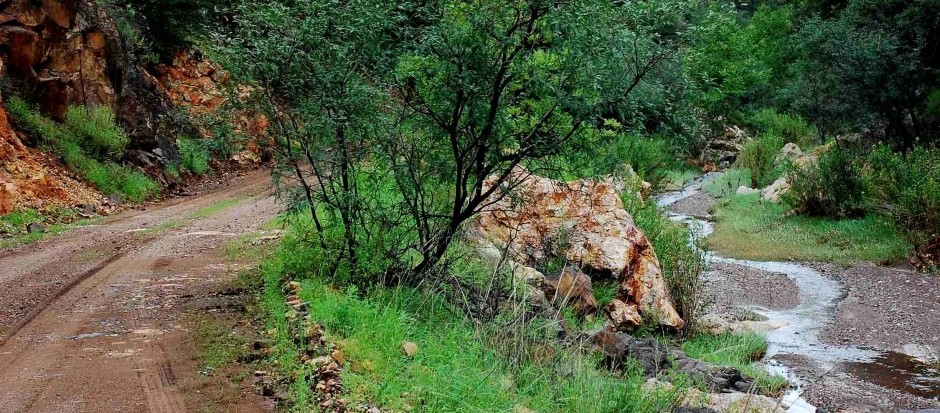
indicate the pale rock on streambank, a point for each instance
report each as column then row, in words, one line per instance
column 587, row 223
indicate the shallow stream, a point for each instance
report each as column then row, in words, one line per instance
column 801, row 326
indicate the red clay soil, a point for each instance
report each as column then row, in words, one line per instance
column 93, row 320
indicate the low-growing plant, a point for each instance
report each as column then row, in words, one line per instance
column 832, row 187
column 727, row 184
column 96, row 131
column 194, row 155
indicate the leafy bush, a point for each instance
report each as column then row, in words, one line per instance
column 194, row 155
column 605, row 152
column 96, row 130
column 833, row 187
column 758, row 156
column 907, row 187
column 790, row 128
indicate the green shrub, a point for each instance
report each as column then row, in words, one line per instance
column 833, row 187
column 607, row 152
column 89, row 142
column 907, row 188
column 726, row 185
column 96, row 131
column 194, row 155
column 758, row 156
column 790, row 128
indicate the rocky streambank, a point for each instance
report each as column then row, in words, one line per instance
column 861, row 338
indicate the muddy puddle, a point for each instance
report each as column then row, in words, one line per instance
column 801, row 326
column 897, row 371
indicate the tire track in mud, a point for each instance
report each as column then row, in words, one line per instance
column 109, row 337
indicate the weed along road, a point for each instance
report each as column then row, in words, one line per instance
column 91, row 319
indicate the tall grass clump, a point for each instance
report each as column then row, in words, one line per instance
column 194, row 155
column 790, row 128
column 682, row 263
column 758, row 156
column 97, row 128
column 91, row 144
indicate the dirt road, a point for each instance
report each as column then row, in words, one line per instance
column 90, row 320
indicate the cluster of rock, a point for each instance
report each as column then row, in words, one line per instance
column 722, row 150
column 585, row 223
column 728, row 388
column 792, row 154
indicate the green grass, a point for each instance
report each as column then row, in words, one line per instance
column 217, row 343
column 751, row 229
column 460, row 366
column 678, row 178
column 741, row 351
column 217, row 207
column 726, row 185
column 90, row 143
column 194, row 156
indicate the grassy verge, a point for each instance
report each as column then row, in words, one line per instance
column 459, row 365
column 13, row 225
column 750, row 229
column 740, row 351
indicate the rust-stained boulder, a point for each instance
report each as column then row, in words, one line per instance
column 622, row 316
column 600, row 236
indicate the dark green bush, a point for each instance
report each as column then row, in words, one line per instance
column 607, row 152
column 833, row 187
column 907, row 188
column 194, row 155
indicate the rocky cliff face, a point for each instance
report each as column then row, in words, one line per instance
column 67, row 52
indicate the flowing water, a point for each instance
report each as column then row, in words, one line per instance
column 801, row 326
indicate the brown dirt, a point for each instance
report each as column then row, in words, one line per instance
column 92, row 320
column 885, row 308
